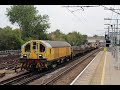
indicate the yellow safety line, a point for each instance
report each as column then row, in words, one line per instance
column 103, row 72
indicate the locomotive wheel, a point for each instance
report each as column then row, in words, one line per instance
column 67, row 59
column 62, row 61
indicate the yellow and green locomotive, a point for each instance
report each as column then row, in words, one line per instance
column 44, row 53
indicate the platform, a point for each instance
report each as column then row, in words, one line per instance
column 100, row 71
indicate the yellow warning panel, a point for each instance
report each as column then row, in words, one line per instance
column 103, row 72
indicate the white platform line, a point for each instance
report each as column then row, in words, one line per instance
column 83, row 70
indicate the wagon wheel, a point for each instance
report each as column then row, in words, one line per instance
column 67, row 59
column 54, row 65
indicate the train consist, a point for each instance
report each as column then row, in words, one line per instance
column 41, row 54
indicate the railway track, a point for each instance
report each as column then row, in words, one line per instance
column 9, row 66
column 61, row 74
column 25, row 78
column 9, row 62
column 29, row 77
column 15, row 79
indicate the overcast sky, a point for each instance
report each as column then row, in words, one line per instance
column 90, row 21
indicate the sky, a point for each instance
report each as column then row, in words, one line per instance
column 90, row 21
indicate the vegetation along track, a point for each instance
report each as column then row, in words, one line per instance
column 29, row 77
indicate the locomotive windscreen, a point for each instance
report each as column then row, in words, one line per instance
column 27, row 48
column 35, row 45
column 42, row 48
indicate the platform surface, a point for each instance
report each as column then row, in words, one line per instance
column 101, row 71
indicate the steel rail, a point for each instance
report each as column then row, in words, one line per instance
column 69, row 69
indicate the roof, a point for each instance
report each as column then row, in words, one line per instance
column 53, row 44
column 98, row 37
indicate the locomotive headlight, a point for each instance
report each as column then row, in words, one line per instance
column 40, row 55
column 24, row 55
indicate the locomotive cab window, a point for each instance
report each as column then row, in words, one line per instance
column 34, row 45
column 42, row 48
column 27, row 48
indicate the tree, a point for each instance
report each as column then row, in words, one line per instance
column 57, row 35
column 40, row 26
column 10, row 39
column 84, row 39
column 31, row 24
column 75, row 38
column 95, row 35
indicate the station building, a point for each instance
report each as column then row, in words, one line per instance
column 100, row 40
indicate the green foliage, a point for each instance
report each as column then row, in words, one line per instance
column 57, row 35
column 32, row 27
column 74, row 38
column 84, row 39
column 95, row 36
column 26, row 16
column 39, row 27
column 10, row 39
